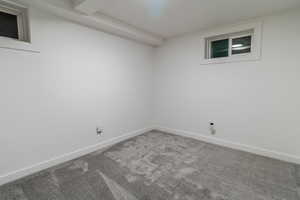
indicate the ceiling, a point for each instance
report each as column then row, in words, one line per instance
column 168, row 18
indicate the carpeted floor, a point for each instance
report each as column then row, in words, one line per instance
column 159, row 166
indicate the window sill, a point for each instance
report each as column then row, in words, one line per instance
column 240, row 58
column 17, row 45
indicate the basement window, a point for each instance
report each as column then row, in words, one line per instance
column 232, row 44
column 229, row 45
column 14, row 21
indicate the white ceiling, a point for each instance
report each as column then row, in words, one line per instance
column 169, row 18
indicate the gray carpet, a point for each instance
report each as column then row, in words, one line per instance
column 159, row 166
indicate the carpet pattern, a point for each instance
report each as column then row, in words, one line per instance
column 160, row 166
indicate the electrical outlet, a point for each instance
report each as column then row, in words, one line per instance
column 99, row 130
column 212, row 128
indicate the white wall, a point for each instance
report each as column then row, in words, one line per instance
column 51, row 101
column 253, row 103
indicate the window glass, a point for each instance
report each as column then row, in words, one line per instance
column 241, row 45
column 8, row 25
column 219, row 48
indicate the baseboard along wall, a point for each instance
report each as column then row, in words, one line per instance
column 242, row 147
column 84, row 151
column 15, row 175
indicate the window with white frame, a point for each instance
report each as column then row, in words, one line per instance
column 14, row 21
column 234, row 43
column 228, row 45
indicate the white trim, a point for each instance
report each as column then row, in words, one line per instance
column 21, row 12
column 86, row 6
column 247, row 148
column 12, row 176
column 24, row 42
column 17, row 45
column 255, row 46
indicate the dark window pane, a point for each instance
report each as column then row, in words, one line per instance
column 8, row 25
column 241, row 45
column 219, row 48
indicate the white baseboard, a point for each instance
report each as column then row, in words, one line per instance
column 12, row 176
column 225, row 143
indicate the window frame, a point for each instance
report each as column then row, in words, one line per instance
column 253, row 29
column 230, row 37
column 22, row 20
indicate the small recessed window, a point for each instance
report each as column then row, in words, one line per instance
column 229, row 45
column 14, row 21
